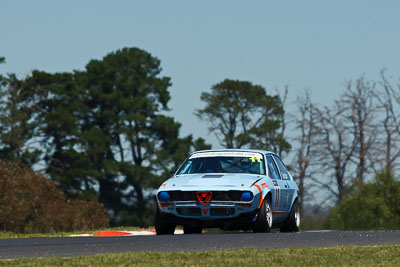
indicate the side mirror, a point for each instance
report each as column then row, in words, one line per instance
column 172, row 174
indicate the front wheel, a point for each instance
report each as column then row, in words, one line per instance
column 162, row 227
column 292, row 223
column 263, row 223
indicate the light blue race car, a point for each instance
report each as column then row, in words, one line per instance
column 231, row 189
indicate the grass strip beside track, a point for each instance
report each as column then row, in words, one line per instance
column 334, row 256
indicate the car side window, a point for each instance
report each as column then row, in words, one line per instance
column 282, row 168
column 272, row 169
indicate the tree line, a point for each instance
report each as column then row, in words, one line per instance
column 102, row 133
column 352, row 140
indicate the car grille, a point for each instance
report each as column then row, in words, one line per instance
column 232, row 195
column 189, row 211
column 222, row 211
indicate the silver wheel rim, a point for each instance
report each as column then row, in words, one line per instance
column 297, row 215
column 268, row 214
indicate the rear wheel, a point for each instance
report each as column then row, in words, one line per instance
column 292, row 223
column 263, row 223
column 190, row 229
column 162, row 227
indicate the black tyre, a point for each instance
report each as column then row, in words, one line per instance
column 263, row 223
column 190, row 229
column 162, row 227
column 292, row 223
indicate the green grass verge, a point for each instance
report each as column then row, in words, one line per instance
column 334, row 256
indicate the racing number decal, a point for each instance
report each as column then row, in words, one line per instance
column 277, row 194
column 253, row 159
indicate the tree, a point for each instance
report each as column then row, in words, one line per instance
column 282, row 145
column 369, row 206
column 347, row 137
column 305, row 124
column 358, row 102
column 270, row 134
column 389, row 101
column 337, row 145
column 125, row 95
column 242, row 114
column 59, row 114
column 17, row 121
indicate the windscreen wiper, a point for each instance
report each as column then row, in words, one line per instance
column 236, row 162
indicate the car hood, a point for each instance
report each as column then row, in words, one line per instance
column 208, row 180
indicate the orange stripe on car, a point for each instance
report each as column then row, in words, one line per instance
column 261, row 198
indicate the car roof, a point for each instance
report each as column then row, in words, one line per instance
column 236, row 149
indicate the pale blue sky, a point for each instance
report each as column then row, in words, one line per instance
column 315, row 44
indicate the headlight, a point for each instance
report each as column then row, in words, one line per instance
column 246, row 196
column 164, row 196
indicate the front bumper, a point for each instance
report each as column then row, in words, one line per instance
column 226, row 209
column 221, row 214
column 242, row 221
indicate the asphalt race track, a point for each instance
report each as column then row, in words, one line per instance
column 74, row 246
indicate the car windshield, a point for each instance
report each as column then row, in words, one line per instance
column 224, row 162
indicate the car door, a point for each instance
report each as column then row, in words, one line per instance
column 279, row 200
column 288, row 189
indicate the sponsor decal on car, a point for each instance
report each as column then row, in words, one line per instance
column 255, row 156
